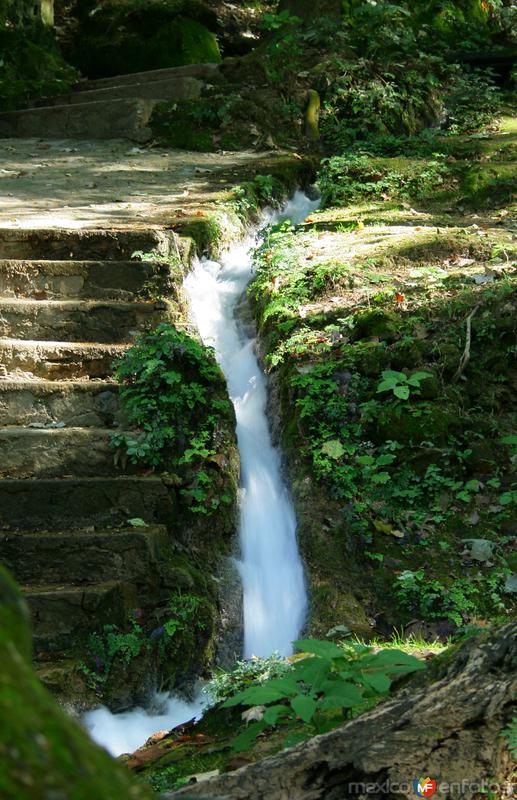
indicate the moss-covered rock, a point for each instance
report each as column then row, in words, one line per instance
column 44, row 753
column 128, row 37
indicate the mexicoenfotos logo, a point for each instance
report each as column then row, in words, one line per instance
column 424, row 787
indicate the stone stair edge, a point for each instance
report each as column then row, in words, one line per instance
column 143, row 530
column 186, row 70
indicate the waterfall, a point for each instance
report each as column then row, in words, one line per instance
column 274, row 594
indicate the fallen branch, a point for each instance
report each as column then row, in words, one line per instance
column 466, row 353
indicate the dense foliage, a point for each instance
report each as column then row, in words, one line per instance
column 173, row 393
column 328, row 684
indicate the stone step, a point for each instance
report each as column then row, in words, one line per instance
column 63, row 615
column 103, row 119
column 57, row 360
column 56, row 452
column 103, row 280
column 78, row 320
column 47, row 504
column 84, row 556
column 203, row 72
column 85, row 404
column 49, row 244
column 176, row 88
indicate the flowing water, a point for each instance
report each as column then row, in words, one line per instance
column 274, row 594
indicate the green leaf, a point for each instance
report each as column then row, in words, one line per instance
column 333, row 449
column 296, row 738
column 272, row 714
column 391, row 659
column 312, row 671
column 378, row 681
column 417, row 378
column 245, row 739
column 380, row 477
column 304, row 707
column 326, row 650
column 254, row 696
column 137, row 522
column 341, row 694
column 402, row 392
column 384, row 460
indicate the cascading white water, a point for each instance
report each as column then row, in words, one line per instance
column 274, row 595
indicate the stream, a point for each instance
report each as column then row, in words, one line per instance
column 270, row 567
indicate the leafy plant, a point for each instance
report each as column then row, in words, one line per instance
column 400, row 384
column 318, row 689
column 510, row 734
column 226, row 683
column 109, row 644
column 172, row 392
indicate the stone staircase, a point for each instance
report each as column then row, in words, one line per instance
column 70, row 302
column 108, row 108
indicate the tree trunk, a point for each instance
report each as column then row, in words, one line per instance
column 448, row 730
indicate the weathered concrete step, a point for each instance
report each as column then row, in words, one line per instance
column 84, row 556
column 49, row 244
column 57, row 360
column 56, row 452
column 85, row 404
column 104, row 119
column 77, row 320
column 93, row 280
column 63, row 615
column 201, row 71
column 46, row 504
column 176, row 88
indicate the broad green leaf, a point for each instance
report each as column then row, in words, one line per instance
column 384, row 460
column 333, row 449
column 417, row 378
column 272, row 714
column 296, row 738
column 245, row 739
column 304, row 707
column 327, row 650
column 136, row 522
column 402, row 392
column 313, row 672
column 377, row 680
column 393, row 375
column 390, row 658
column 381, row 477
column 254, row 696
column 342, row 695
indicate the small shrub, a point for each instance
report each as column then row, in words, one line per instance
column 318, row 690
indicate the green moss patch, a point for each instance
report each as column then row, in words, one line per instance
column 42, row 751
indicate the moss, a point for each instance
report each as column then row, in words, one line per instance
column 43, row 752
column 31, row 65
column 125, row 37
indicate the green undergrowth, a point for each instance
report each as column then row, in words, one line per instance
column 174, row 399
column 374, row 70
column 31, row 65
column 170, row 638
column 264, row 705
column 388, row 326
column 113, row 38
